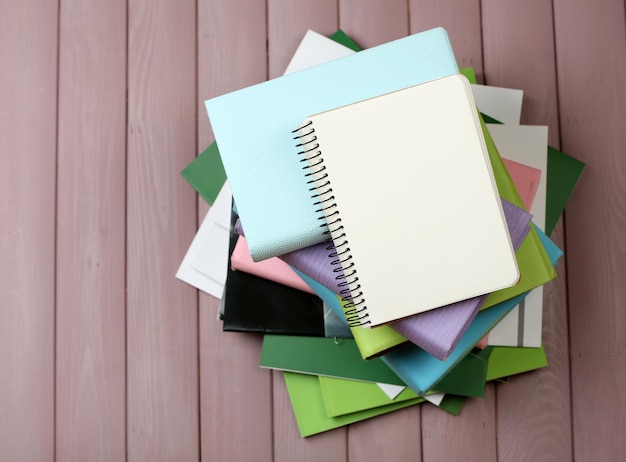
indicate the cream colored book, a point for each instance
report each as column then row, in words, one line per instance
column 404, row 185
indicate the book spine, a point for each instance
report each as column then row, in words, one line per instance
column 320, row 187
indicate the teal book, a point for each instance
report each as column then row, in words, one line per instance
column 253, row 129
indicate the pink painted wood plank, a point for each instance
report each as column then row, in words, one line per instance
column 591, row 65
column 519, row 53
column 235, row 393
column 462, row 21
column 288, row 21
column 91, row 224
column 469, row 436
column 375, row 22
column 162, row 318
column 28, row 91
column 393, row 436
column 288, row 445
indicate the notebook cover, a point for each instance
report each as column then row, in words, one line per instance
column 507, row 361
column 254, row 304
column 534, row 263
column 421, row 371
column 371, row 342
column 435, row 331
column 563, row 174
column 253, row 128
column 343, row 396
column 273, row 268
column 308, row 406
column 526, row 179
column 206, row 173
column 341, row 359
column 440, row 168
column 522, row 327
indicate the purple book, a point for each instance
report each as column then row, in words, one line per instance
column 436, row 331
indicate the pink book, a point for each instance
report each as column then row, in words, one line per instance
column 273, row 269
column 525, row 178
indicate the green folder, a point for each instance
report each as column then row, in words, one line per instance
column 508, row 361
column 341, row 359
column 308, row 406
column 345, row 396
column 206, row 173
column 563, row 174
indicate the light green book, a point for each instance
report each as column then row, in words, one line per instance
column 344, row 396
column 307, row 401
column 508, row 361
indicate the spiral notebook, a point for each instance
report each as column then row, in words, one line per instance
column 252, row 128
column 436, row 164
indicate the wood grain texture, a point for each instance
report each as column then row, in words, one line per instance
column 393, row 436
column 288, row 21
column 28, row 117
column 374, row 22
column 91, row 223
column 518, row 52
column 469, row 436
column 162, row 324
column 591, row 65
column 235, row 393
column 288, row 445
column 118, row 215
column 462, row 21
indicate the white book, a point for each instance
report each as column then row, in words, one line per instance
column 406, row 187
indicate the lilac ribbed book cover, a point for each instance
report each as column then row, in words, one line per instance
column 436, row 331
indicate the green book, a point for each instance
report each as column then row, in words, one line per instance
column 563, row 174
column 206, row 173
column 507, row 361
column 341, row 359
column 308, row 406
column 345, row 396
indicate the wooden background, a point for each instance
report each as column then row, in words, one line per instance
column 105, row 356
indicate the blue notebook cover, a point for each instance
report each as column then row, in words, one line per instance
column 253, row 129
column 421, row 371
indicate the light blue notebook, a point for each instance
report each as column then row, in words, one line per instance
column 421, row 371
column 253, row 129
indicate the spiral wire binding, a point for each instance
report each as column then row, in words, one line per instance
column 319, row 184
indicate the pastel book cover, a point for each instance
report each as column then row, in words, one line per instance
column 440, row 169
column 421, row 371
column 253, row 129
column 273, row 268
column 436, row 331
column 255, row 304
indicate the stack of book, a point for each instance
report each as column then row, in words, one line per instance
column 384, row 222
